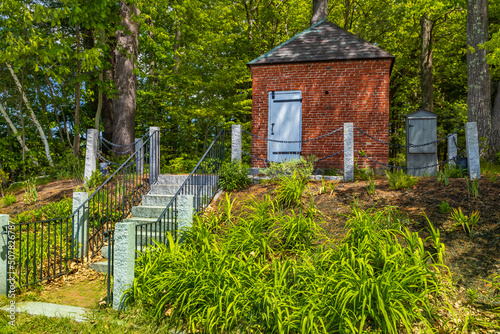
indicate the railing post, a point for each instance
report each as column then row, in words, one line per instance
column 154, row 154
column 472, row 145
column 80, row 224
column 185, row 212
column 452, row 149
column 139, row 157
column 4, row 254
column 124, row 262
column 348, row 151
column 91, row 153
column 236, row 142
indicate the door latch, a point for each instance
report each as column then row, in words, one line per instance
column 272, row 129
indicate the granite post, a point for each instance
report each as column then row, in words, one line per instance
column 236, row 142
column 124, row 262
column 185, row 209
column 91, row 153
column 4, row 253
column 348, row 151
column 154, row 154
column 472, row 145
column 139, row 157
column 452, row 149
column 80, row 224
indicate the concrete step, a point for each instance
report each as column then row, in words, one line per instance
column 166, row 189
column 151, row 199
column 179, row 179
column 101, row 267
column 152, row 227
column 147, row 211
column 163, row 189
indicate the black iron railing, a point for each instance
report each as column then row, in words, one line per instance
column 45, row 249
column 202, row 183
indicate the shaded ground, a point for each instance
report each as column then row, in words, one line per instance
column 47, row 193
column 472, row 261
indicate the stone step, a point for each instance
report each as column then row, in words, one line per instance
column 152, row 227
column 151, row 199
column 147, row 211
column 166, row 189
column 179, row 179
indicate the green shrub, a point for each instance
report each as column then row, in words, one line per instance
column 363, row 174
column 454, row 171
column 278, row 170
column 375, row 280
column 290, row 190
column 233, row 176
column 370, row 187
column 472, row 187
column 9, row 199
column 54, row 210
column 399, row 180
column 467, row 222
column 443, row 177
column 444, row 207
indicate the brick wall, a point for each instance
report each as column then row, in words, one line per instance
column 358, row 92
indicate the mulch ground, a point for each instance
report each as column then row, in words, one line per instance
column 472, row 261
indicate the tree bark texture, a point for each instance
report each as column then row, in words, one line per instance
column 426, row 63
column 76, row 127
column 495, row 123
column 33, row 116
column 16, row 134
column 478, row 73
column 126, row 80
column 320, row 11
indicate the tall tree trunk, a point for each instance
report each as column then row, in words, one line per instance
column 99, row 92
column 126, row 81
column 107, row 112
column 43, row 105
column 426, row 81
column 495, row 123
column 33, row 117
column 478, row 73
column 320, row 11
column 76, row 126
column 16, row 134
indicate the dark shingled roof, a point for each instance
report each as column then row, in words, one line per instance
column 323, row 41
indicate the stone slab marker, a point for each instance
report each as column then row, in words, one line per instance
column 348, row 151
column 236, row 142
column 452, row 148
column 123, row 262
column 139, row 158
column 154, row 154
column 91, row 153
column 4, row 251
column 80, row 224
column 472, row 145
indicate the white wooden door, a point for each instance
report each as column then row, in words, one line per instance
column 285, row 124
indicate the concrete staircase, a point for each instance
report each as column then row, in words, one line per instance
column 153, row 204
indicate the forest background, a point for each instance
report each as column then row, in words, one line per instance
column 66, row 66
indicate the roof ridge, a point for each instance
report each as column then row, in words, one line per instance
column 288, row 41
column 323, row 41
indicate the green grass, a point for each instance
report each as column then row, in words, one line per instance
column 266, row 272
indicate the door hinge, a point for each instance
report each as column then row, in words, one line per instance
column 272, row 94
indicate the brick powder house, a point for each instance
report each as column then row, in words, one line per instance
column 311, row 85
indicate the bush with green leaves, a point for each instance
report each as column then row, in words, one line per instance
column 233, row 176
column 400, row 180
column 468, row 222
column 278, row 170
column 53, row 210
column 290, row 190
column 9, row 199
column 444, row 207
column 267, row 273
